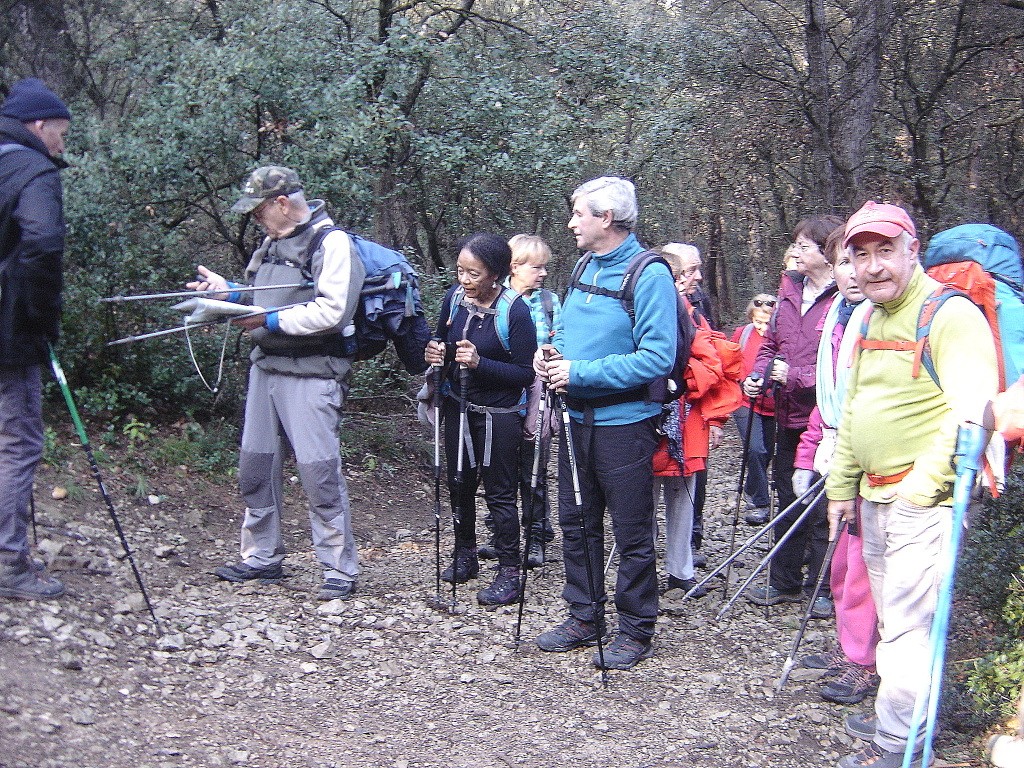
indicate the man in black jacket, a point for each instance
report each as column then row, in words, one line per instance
column 33, row 124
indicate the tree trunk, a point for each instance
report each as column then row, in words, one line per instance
column 817, row 108
column 858, row 96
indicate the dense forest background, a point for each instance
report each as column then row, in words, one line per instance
column 423, row 120
column 420, row 121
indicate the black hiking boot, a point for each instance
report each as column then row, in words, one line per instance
column 569, row 635
column 487, row 551
column 833, row 662
column 22, row 581
column 464, row 568
column 503, row 590
column 624, row 652
column 861, row 725
column 852, row 686
column 241, row 572
column 336, row 589
column 685, row 585
column 535, row 557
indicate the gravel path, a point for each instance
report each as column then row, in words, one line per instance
column 264, row 675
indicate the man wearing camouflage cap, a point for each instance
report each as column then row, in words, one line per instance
column 33, row 123
column 298, row 378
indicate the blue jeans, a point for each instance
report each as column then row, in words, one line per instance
column 762, row 446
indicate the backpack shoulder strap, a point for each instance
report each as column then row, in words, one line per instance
column 319, row 235
column 745, row 335
column 501, row 325
column 500, row 312
column 547, row 303
column 457, row 297
column 577, row 272
column 629, row 280
column 920, row 346
column 924, row 328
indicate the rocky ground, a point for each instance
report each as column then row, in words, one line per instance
column 264, row 675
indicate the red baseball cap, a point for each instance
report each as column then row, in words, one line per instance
column 879, row 219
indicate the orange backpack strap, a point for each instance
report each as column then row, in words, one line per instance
column 920, row 346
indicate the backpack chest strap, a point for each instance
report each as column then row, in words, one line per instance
column 917, row 347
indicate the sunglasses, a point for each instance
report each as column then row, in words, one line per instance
column 764, row 302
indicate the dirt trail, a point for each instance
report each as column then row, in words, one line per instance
column 264, row 675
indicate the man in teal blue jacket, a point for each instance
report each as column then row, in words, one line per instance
column 603, row 363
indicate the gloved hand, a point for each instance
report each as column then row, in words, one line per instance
column 802, row 479
column 825, row 451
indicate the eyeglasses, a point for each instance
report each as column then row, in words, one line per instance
column 764, row 302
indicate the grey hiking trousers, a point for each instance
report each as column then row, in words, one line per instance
column 21, row 448
column 308, row 412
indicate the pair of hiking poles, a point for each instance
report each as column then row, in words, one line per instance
column 548, row 400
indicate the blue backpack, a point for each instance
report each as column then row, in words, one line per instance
column 983, row 262
column 390, row 307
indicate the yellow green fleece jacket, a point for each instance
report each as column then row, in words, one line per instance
column 892, row 421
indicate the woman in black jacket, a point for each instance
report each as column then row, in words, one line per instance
column 487, row 341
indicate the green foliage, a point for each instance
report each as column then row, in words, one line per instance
column 55, row 450
column 991, row 572
column 995, row 546
column 210, row 448
column 420, row 123
column 996, row 680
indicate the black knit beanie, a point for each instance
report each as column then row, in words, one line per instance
column 30, row 100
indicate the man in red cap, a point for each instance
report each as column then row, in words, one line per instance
column 895, row 447
column 33, row 124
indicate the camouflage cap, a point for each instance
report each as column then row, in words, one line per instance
column 265, row 182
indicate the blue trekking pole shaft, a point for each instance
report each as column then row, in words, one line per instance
column 970, row 448
column 58, row 373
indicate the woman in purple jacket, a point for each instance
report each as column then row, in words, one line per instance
column 787, row 362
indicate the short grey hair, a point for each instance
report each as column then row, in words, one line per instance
column 611, row 193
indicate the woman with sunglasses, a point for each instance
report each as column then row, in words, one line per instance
column 750, row 337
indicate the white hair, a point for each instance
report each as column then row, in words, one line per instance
column 611, row 193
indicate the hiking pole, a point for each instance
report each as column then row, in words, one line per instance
column 202, row 324
column 970, row 448
column 773, row 502
column 611, row 557
column 739, row 487
column 538, row 445
column 211, row 292
column 767, row 558
column 762, row 531
column 436, row 373
column 32, row 515
column 825, row 563
column 578, row 496
column 457, row 506
column 58, row 373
